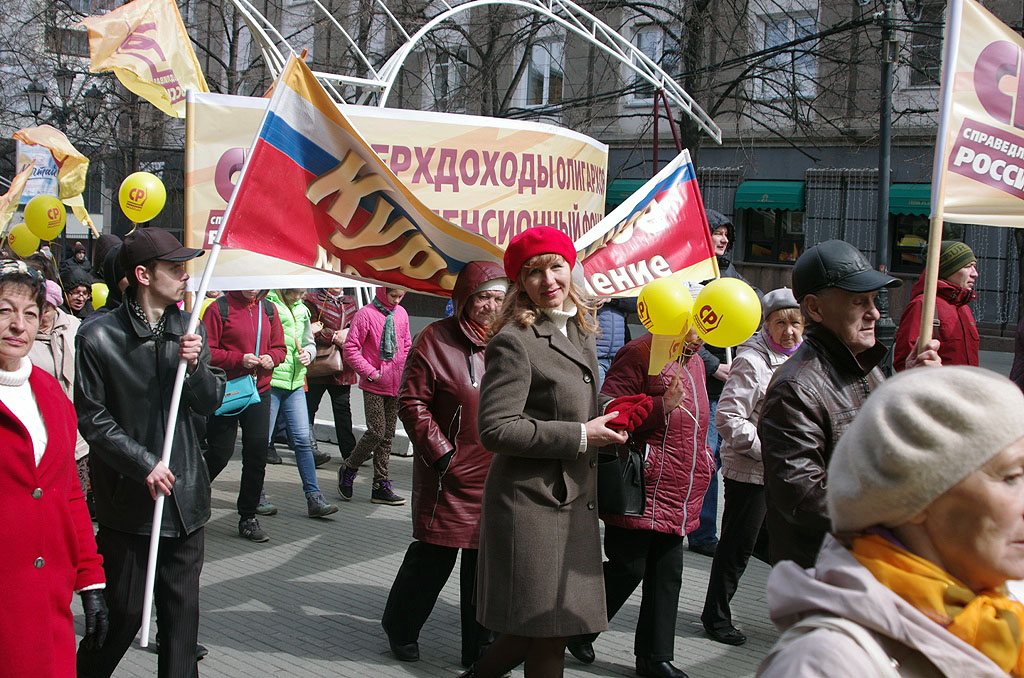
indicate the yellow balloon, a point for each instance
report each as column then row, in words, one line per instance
column 45, row 216
column 22, row 241
column 664, row 306
column 726, row 312
column 99, row 294
column 142, row 195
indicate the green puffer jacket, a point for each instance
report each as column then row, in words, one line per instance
column 298, row 333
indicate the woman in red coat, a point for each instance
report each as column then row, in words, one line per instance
column 47, row 537
column 437, row 404
column 677, row 469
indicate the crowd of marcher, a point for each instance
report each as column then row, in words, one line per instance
column 893, row 510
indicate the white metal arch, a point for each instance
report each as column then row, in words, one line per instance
column 565, row 13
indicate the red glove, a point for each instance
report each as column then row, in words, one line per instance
column 632, row 409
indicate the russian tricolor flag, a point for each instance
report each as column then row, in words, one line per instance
column 311, row 185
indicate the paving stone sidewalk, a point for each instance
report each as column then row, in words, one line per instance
column 309, row 601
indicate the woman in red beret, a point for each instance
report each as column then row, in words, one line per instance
column 539, row 577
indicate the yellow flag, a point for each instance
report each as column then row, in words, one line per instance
column 77, row 205
column 664, row 349
column 71, row 165
column 145, row 44
column 9, row 200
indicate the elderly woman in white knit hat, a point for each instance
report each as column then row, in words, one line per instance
column 926, row 497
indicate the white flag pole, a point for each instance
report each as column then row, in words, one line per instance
column 179, row 379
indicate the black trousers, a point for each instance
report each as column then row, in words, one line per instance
column 176, row 592
column 743, row 534
column 341, row 405
column 220, row 436
column 656, row 559
column 424, row 572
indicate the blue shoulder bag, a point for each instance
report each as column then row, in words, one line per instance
column 241, row 392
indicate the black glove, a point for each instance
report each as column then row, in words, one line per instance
column 95, row 606
column 441, row 465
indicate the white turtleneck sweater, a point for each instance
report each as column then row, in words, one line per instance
column 561, row 317
column 16, row 394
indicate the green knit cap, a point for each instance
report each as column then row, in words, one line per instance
column 953, row 256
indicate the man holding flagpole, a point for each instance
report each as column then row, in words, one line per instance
column 124, row 374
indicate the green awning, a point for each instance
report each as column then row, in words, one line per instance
column 910, row 199
column 778, row 195
column 620, row 189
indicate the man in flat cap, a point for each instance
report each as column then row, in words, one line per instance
column 815, row 395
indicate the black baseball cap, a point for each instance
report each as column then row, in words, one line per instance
column 836, row 263
column 152, row 242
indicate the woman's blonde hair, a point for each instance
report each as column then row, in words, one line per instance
column 520, row 309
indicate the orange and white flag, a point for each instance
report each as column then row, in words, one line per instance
column 9, row 200
column 146, row 46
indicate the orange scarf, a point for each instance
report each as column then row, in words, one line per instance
column 988, row 621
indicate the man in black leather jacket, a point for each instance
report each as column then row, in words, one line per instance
column 815, row 394
column 126, row 363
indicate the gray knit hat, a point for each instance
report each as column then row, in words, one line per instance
column 918, row 435
column 777, row 299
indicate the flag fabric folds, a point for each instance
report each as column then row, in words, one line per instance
column 146, row 46
column 660, row 230
column 978, row 176
column 9, row 200
column 72, row 167
column 314, row 192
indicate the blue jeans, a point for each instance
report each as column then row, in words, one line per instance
column 707, row 532
column 602, row 369
column 292, row 404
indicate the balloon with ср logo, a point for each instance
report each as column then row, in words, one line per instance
column 142, row 195
column 726, row 312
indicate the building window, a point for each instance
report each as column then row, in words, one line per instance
column 67, row 41
column 910, row 240
column 926, row 46
column 773, row 235
column 790, row 72
column 448, row 80
column 653, row 42
column 544, row 74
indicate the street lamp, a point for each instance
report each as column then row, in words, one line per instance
column 93, row 101
column 35, row 93
column 65, row 81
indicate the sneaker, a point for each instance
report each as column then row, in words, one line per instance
column 264, row 507
column 251, row 530
column 346, row 477
column 317, row 506
column 382, row 494
column 272, row 456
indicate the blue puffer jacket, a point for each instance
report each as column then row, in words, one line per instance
column 614, row 331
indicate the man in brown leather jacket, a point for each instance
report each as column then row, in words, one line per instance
column 815, row 394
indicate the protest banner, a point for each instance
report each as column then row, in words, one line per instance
column 459, row 166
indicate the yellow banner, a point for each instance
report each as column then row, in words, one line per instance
column 9, row 200
column 491, row 177
column 982, row 127
column 71, row 165
column 146, row 46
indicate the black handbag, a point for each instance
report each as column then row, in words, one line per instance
column 620, row 480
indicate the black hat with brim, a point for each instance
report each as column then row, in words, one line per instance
column 146, row 244
column 836, row 263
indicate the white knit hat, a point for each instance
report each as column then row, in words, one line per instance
column 919, row 434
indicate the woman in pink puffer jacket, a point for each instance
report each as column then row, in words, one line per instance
column 376, row 347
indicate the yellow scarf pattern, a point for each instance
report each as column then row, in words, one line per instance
column 988, row 621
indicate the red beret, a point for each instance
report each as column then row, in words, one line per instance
column 534, row 241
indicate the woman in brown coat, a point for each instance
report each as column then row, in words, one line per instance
column 539, row 576
column 437, row 404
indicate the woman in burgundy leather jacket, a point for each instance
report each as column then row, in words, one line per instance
column 677, row 469
column 438, row 406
